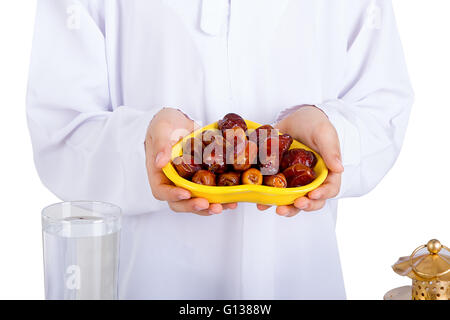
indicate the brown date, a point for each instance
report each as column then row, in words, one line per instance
column 230, row 121
column 208, row 136
column 186, row 169
column 285, row 143
column 282, row 141
column 252, row 176
column 243, row 161
column 269, row 160
column 236, row 140
column 262, row 133
column 214, row 155
column 277, row 181
column 299, row 175
column 193, row 147
column 269, row 165
column 204, row 177
column 217, row 167
column 297, row 155
column 229, row 179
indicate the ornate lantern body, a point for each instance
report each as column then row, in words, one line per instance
column 429, row 271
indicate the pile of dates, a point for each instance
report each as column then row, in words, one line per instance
column 232, row 156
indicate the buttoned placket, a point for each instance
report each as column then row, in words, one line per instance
column 217, row 21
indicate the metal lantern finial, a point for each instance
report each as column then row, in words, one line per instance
column 434, row 246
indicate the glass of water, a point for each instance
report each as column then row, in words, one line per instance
column 81, row 250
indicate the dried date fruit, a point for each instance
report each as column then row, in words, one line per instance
column 208, row 136
column 277, row 181
column 244, row 160
column 229, row 179
column 271, row 152
column 186, row 169
column 298, row 155
column 252, row 176
column 216, row 167
column 214, row 155
column 285, row 142
column 269, row 159
column 299, row 175
column 236, row 141
column 230, row 121
column 204, row 177
column 193, row 147
column 262, row 133
column 270, row 165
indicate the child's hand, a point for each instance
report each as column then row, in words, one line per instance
column 312, row 127
column 166, row 128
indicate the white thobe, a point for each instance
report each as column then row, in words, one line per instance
column 101, row 69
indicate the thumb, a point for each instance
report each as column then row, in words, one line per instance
column 163, row 157
column 161, row 144
column 166, row 130
column 329, row 148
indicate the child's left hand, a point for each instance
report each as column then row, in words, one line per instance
column 312, row 127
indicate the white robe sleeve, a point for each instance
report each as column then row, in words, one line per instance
column 371, row 112
column 84, row 149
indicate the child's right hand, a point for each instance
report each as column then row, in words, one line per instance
column 167, row 128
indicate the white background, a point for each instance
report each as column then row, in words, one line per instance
column 407, row 209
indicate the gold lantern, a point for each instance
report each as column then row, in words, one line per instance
column 429, row 271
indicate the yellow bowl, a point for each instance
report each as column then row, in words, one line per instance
column 244, row 193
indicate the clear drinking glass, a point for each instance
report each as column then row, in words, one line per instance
column 81, row 250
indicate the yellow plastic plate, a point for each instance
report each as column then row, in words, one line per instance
column 244, row 193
